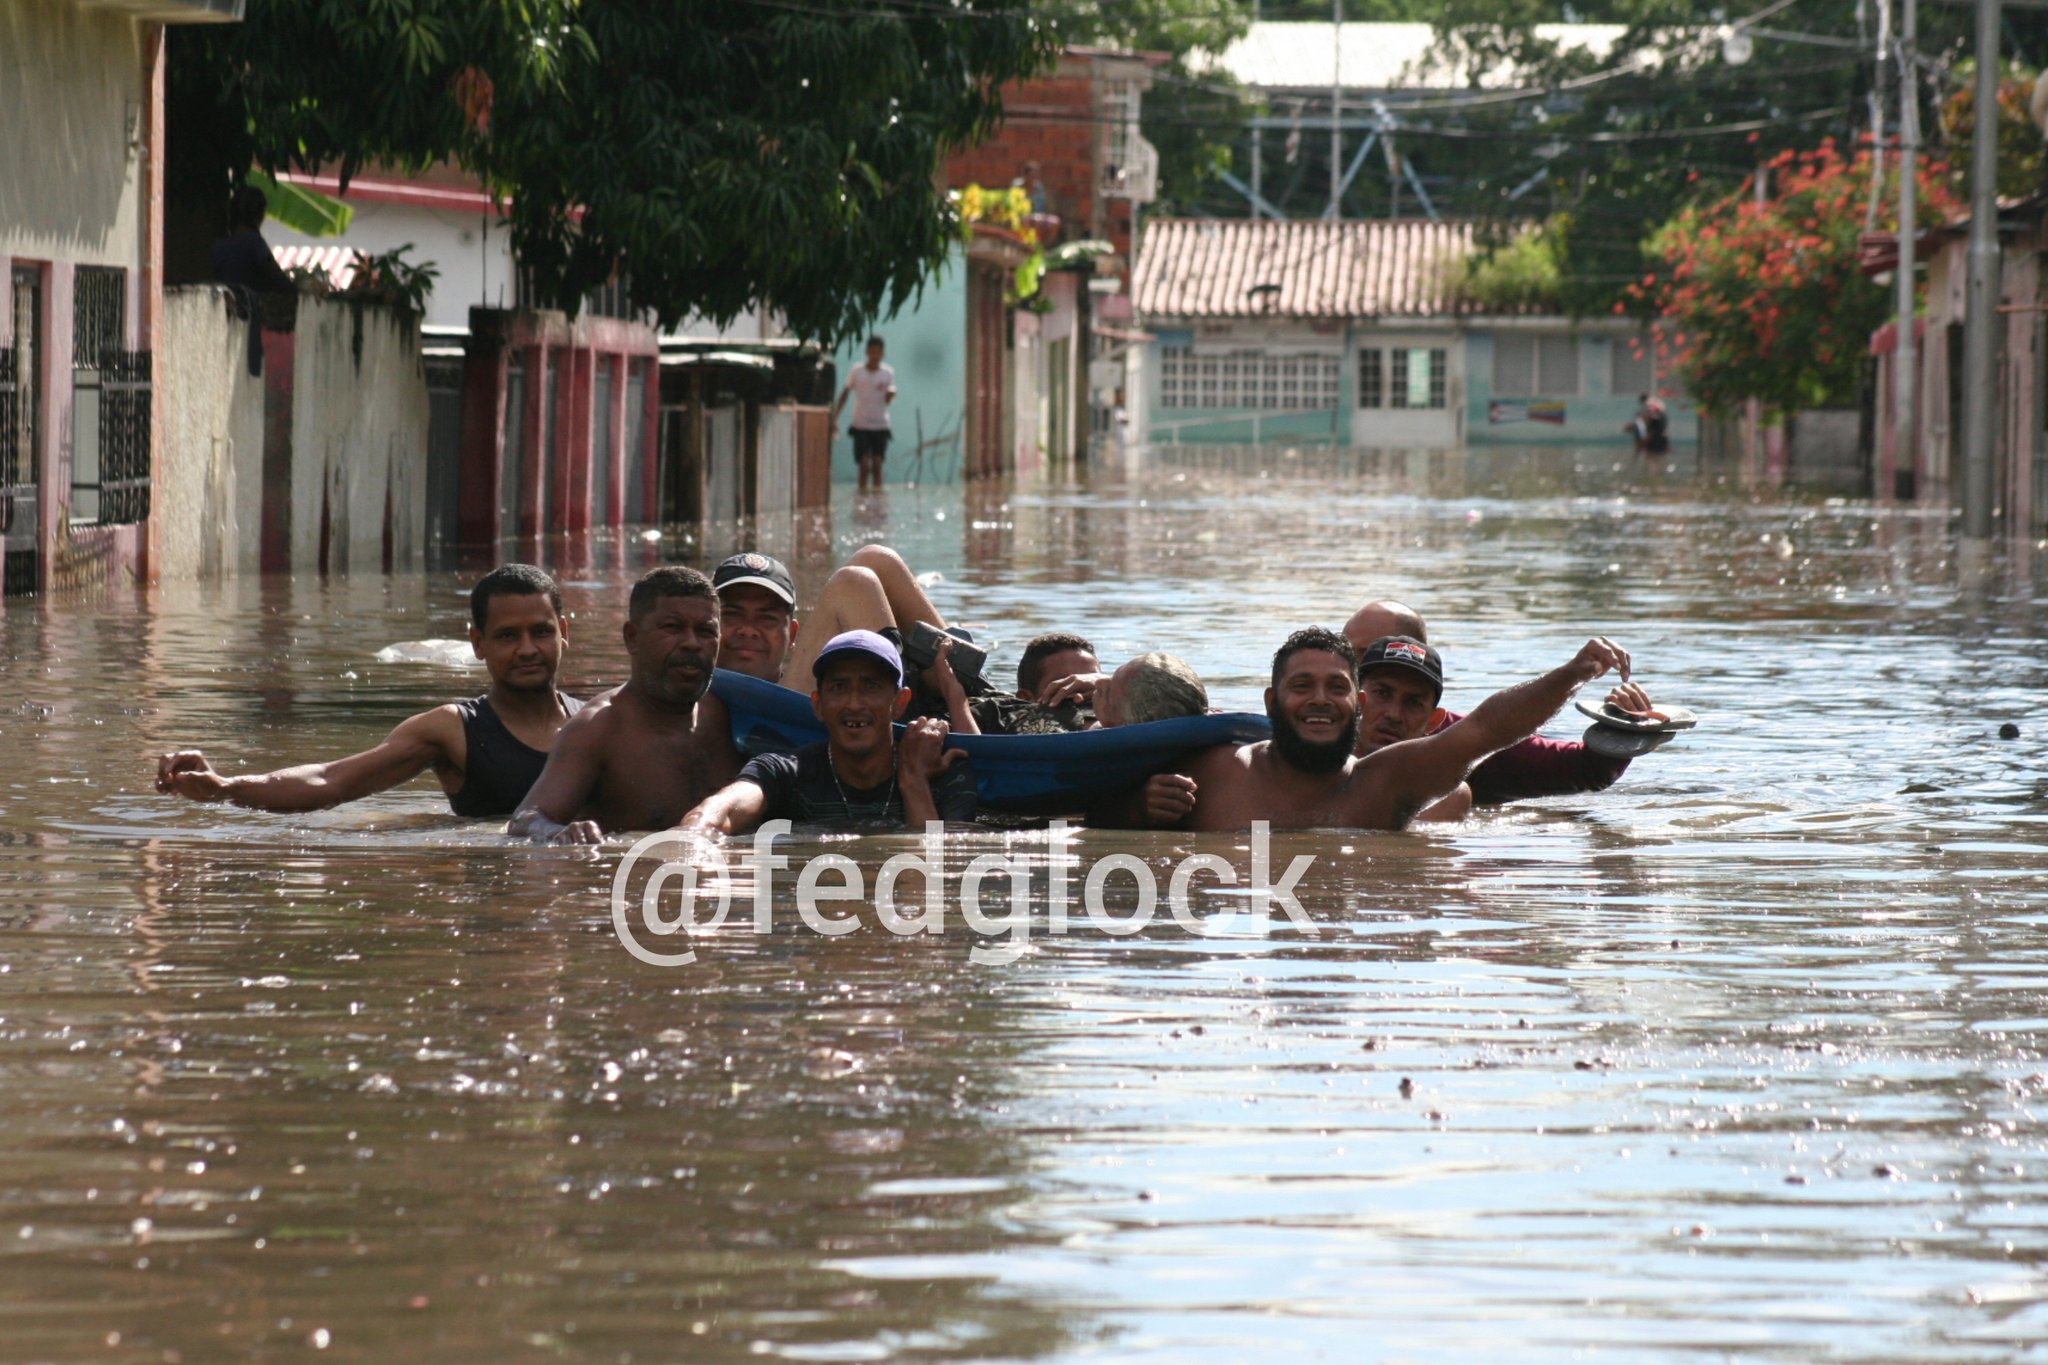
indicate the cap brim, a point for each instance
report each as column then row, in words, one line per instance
column 853, row 652
column 784, row 593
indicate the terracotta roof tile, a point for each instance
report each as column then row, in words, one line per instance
column 1357, row 268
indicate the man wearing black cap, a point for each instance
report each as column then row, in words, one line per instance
column 1306, row 777
column 1400, row 681
column 756, row 615
column 1536, row 767
column 875, row 590
column 861, row 774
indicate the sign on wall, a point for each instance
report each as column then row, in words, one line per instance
column 1535, row 410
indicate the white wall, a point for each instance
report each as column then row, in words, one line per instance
column 208, row 489
column 70, row 179
column 473, row 254
column 358, row 440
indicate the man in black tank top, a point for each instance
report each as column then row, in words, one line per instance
column 485, row 752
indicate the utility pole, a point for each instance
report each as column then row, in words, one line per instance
column 1336, row 106
column 1980, row 322
column 1877, row 93
column 1905, row 367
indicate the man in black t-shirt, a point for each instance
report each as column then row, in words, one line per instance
column 860, row 775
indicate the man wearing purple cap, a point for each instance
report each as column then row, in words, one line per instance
column 860, row 775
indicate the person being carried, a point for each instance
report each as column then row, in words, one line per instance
column 486, row 753
column 860, row 774
column 873, row 388
column 1535, row 767
column 1148, row 688
column 640, row 756
column 1052, row 664
column 874, row 590
column 1306, row 777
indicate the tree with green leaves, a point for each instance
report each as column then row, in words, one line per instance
column 720, row 155
column 1609, row 143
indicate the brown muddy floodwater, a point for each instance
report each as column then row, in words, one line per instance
column 1739, row 1060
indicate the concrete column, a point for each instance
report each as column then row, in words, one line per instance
column 534, row 448
column 486, row 368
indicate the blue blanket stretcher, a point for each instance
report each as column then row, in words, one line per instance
column 1031, row 774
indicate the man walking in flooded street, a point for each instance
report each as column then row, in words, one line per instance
column 641, row 755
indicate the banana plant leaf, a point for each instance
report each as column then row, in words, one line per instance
column 303, row 210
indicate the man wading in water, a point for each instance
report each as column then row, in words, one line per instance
column 642, row 754
column 485, row 753
column 1390, row 710
column 860, row 775
column 1305, row 777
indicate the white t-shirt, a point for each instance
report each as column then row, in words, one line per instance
column 871, row 396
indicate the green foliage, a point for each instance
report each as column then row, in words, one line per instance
column 1525, row 274
column 1767, row 299
column 724, row 155
column 2021, row 159
column 301, row 209
column 391, row 278
column 1620, row 140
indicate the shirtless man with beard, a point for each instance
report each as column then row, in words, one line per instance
column 1306, row 777
column 643, row 754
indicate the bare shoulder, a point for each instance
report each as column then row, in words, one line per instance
column 597, row 720
column 1217, row 759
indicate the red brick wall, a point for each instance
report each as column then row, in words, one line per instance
column 1051, row 120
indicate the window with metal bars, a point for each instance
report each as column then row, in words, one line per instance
column 1371, row 390
column 109, row 404
column 1421, row 377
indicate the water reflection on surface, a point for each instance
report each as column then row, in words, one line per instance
column 1741, row 1058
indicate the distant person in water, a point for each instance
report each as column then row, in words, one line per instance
column 872, row 387
column 1400, row 703
column 486, row 753
column 1306, row 776
column 1651, row 426
column 861, row 774
column 640, row 756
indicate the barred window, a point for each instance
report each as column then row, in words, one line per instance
column 1369, row 377
column 109, row 404
column 1247, row 380
column 1421, row 377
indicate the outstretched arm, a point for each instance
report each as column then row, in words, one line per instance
column 1386, row 789
column 549, row 813
column 420, row 742
column 732, row 809
column 1552, row 767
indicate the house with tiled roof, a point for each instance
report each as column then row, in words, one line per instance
column 1356, row 333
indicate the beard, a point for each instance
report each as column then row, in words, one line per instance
column 1306, row 754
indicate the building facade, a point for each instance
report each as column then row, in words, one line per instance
column 81, row 204
column 1353, row 333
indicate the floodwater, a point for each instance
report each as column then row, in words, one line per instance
column 1739, row 1060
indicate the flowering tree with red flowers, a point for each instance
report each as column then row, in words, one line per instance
column 1765, row 300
